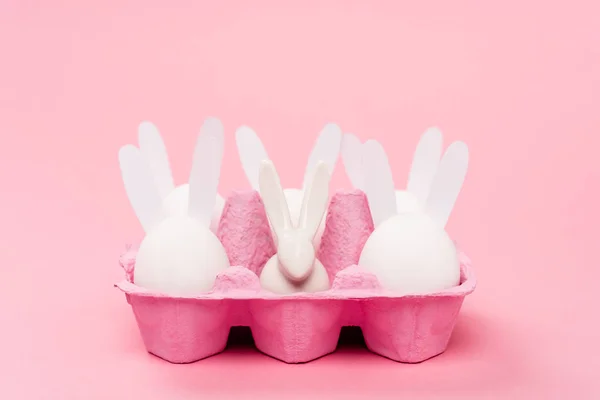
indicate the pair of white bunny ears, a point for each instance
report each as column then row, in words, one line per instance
column 148, row 179
column 314, row 203
column 435, row 181
column 252, row 152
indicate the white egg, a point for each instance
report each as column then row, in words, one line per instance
column 176, row 204
column 410, row 254
column 406, row 202
column 179, row 257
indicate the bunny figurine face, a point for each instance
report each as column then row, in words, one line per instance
column 424, row 166
column 294, row 268
column 327, row 149
column 409, row 250
column 153, row 149
column 179, row 255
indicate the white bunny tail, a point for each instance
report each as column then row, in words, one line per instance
column 140, row 187
column 326, row 149
column 205, row 173
column 379, row 182
column 155, row 152
column 251, row 152
column 425, row 164
column 448, row 182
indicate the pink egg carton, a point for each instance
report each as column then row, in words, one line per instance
column 299, row 327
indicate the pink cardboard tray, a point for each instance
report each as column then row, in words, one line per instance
column 304, row 326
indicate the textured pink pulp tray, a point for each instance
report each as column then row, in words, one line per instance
column 304, row 326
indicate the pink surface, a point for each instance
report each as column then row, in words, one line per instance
column 517, row 80
column 300, row 327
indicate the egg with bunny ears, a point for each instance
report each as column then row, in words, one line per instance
column 175, row 199
column 180, row 255
column 424, row 165
column 294, row 268
column 410, row 251
column 176, row 203
column 326, row 149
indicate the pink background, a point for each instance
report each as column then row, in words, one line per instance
column 518, row 81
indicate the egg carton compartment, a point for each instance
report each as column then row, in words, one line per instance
column 299, row 327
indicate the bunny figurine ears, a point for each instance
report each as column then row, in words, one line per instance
column 252, row 152
column 434, row 181
column 326, row 150
column 294, row 266
column 149, row 184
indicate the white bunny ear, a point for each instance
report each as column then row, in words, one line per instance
column 140, row 187
column 206, row 171
column 154, row 151
column 316, row 198
column 448, row 182
column 214, row 127
column 251, row 152
column 425, row 164
column 327, row 149
column 273, row 198
column 379, row 182
column 352, row 157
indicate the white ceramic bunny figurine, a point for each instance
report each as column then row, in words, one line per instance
column 424, row 166
column 410, row 251
column 326, row 149
column 295, row 267
column 175, row 199
column 179, row 255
